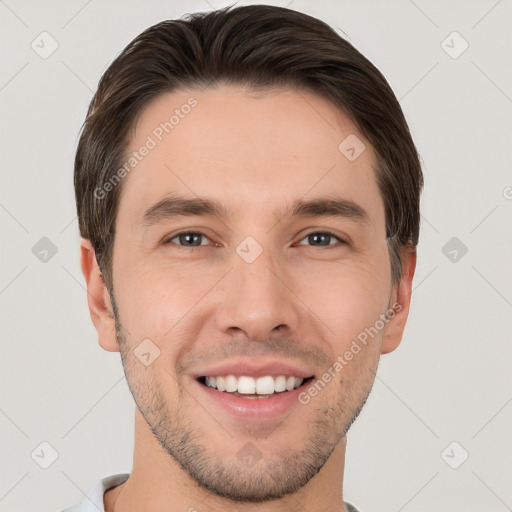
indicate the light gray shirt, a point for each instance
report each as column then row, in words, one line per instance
column 93, row 501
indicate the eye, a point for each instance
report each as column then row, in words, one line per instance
column 191, row 239
column 188, row 239
column 322, row 238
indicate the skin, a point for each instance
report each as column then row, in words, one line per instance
column 254, row 153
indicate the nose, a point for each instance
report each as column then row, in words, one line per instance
column 257, row 299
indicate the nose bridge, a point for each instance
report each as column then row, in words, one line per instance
column 255, row 298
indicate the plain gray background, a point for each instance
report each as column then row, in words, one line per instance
column 450, row 379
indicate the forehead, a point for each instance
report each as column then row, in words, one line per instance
column 248, row 150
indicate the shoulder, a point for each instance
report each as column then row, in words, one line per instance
column 93, row 501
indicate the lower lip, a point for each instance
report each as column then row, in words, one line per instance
column 254, row 408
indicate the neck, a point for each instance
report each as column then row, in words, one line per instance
column 157, row 482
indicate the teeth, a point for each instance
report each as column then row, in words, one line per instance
column 280, row 383
column 231, row 383
column 245, row 385
column 265, row 385
column 220, row 382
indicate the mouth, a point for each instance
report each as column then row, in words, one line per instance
column 254, row 399
column 248, row 387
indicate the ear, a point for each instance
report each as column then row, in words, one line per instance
column 98, row 298
column 400, row 302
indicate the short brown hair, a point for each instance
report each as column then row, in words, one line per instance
column 258, row 46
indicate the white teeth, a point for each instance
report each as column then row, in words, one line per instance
column 231, row 383
column 280, row 383
column 245, row 385
column 265, row 385
column 221, row 385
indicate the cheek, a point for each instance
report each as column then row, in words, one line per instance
column 161, row 292
column 158, row 304
column 347, row 297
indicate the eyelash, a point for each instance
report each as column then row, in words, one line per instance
column 323, row 232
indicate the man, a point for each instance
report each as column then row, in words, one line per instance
column 248, row 197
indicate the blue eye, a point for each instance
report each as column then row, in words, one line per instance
column 188, row 237
column 321, row 238
column 191, row 239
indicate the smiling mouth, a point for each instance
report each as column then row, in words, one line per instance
column 254, row 387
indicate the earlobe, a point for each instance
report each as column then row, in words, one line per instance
column 98, row 298
column 401, row 299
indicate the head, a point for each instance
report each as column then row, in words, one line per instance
column 248, row 193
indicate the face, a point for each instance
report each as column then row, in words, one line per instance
column 257, row 290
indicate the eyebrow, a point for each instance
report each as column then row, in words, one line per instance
column 175, row 206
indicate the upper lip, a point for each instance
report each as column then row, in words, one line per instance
column 253, row 368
